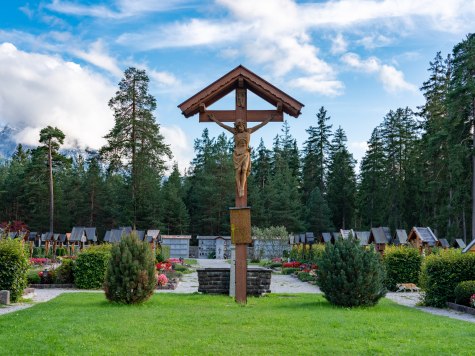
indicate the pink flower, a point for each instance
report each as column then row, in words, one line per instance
column 162, row 280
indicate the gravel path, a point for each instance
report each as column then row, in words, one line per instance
column 279, row 284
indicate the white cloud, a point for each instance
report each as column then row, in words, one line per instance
column 98, row 56
column 39, row 90
column 122, row 8
column 391, row 78
column 374, row 41
column 339, row 44
column 315, row 84
column 180, row 145
column 193, row 33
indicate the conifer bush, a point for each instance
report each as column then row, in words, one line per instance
column 131, row 277
column 13, row 268
column 349, row 275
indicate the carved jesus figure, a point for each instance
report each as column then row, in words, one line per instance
column 242, row 151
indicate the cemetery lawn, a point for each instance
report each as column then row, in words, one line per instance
column 168, row 324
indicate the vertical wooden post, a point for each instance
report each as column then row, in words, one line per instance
column 241, row 202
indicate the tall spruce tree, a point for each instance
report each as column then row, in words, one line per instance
column 134, row 144
column 462, row 111
column 175, row 215
column 341, row 182
column 316, row 155
column 372, row 193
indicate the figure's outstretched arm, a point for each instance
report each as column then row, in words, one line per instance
column 257, row 127
column 226, row 127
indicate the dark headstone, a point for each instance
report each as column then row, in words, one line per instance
column 5, row 297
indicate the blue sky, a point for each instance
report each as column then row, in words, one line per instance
column 61, row 61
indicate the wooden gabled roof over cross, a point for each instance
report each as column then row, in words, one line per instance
column 241, row 77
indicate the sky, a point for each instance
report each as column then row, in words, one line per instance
column 61, row 61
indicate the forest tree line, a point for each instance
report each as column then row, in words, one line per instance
column 417, row 170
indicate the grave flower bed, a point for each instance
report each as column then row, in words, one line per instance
column 164, row 266
column 39, row 261
column 294, row 264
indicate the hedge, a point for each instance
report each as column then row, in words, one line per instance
column 91, row 265
column 13, row 268
column 307, row 255
column 442, row 273
column 464, row 291
column 403, row 265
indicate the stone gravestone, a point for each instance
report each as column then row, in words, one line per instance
column 241, row 80
column 5, row 297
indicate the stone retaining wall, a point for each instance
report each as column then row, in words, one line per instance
column 216, row 281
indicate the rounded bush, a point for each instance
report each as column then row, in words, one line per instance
column 403, row 265
column 463, row 292
column 131, row 276
column 91, row 266
column 13, row 268
column 349, row 275
column 441, row 274
column 65, row 272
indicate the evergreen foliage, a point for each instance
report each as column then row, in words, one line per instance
column 131, row 275
column 351, row 276
column 13, row 268
column 135, row 144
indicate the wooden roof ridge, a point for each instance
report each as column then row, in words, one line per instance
column 228, row 82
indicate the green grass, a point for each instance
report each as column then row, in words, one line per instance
column 303, row 324
column 191, row 261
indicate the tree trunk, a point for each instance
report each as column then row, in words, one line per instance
column 134, row 187
column 51, row 193
column 473, row 170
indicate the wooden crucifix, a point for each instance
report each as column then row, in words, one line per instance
column 241, row 79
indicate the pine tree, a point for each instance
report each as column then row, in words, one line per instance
column 52, row 138
column 349, row 275
column 131, row 276
column 135, row 144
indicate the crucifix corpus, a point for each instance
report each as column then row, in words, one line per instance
column 241, row 80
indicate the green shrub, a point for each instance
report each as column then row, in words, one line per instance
column 350, row 276
column 463, row 292
column 91, row 265
column 131, row 275
column 305, row 276
column 65, row 272
column 441, row 274
column 13, row 268
column 164, row 251
column 33, row 277
column 403, row 265
column 290, row 270
column 38, row 252
column 307, row 255
column 181, row 268
column 61, row 251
